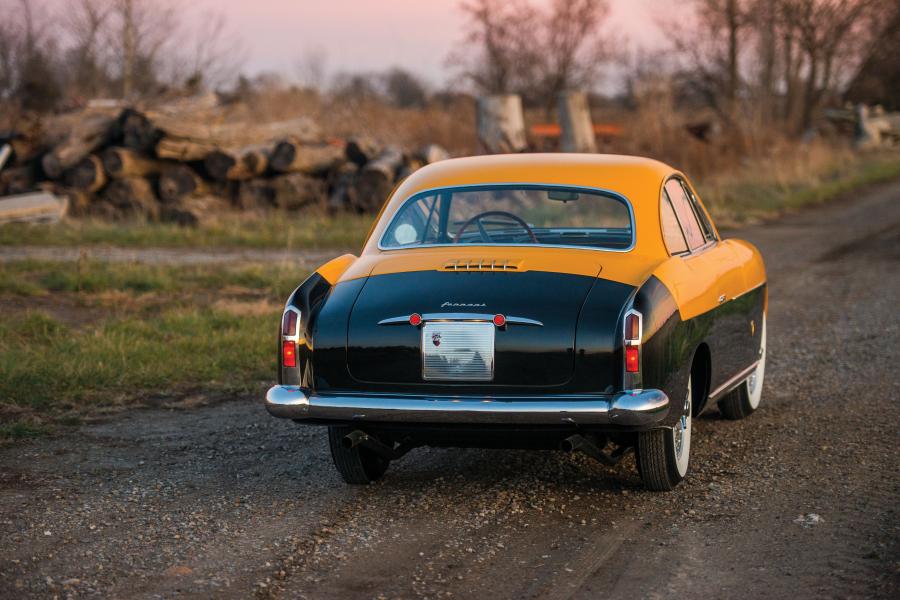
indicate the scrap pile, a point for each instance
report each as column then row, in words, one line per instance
column 185, row 162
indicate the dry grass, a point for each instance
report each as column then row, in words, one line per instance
column 451, row 126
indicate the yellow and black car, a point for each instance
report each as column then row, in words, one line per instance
column 581, row 302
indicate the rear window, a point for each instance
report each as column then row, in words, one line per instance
column 512, row 216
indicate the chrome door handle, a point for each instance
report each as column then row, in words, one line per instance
column 721, row 298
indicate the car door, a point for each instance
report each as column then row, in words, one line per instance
column 710, row 279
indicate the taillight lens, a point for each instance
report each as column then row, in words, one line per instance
column 288, row 354
column 633, row 327
column 415, row 319
column 289, row 323
column 499, row 320
column 632, row 359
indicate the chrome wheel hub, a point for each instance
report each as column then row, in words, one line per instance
column 682, row 426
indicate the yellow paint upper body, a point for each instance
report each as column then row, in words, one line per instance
column 696, row 281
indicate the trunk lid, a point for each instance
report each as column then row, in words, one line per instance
column 524, row 355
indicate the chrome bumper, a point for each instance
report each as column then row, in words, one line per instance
column 642, row 409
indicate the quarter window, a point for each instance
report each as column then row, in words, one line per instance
column 671, row 229
column 686, row 217
column 705, row 225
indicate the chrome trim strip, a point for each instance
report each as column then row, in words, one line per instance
column 615, row 195
column 753, row 289
column 472, row 317
column 732, row 383
column 633, row 408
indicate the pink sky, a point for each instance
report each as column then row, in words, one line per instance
column 368, row 35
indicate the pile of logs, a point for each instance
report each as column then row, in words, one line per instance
column 161, row 165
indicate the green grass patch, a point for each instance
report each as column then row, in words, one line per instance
column 19, row 430
column 736, row 201
column 35, row 278
column 288, row 230
column 44, row 364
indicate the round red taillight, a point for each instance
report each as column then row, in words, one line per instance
column 499, row 320
column 415, row 319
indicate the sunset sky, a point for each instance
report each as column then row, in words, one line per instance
column 367, row 35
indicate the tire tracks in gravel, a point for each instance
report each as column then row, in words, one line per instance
column 224, row 501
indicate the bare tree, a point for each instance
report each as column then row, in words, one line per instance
column 775, row 59
column 403, row 89
column 145, row 28
column 86, row 26
column 534, row 51
column 825, row 37
column 311, row 68
column 503, row 35
column 573, row 47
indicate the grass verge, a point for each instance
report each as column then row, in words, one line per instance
column 81, row 339
column 288, row 230
column 766, row 190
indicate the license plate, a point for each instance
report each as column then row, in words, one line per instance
column 454, row 351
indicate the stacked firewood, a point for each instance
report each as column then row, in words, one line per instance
column 164, row 165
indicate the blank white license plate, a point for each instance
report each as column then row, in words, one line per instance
column 454, row 351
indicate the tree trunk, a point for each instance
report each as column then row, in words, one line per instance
column 733, row 23
column 17, row 180
column 290, row 156
column 88, row 175
column 179, row 181
column 91, row 133
column 122, row 162
column 131, row 197
column 296, row 190
column 343, row 194
column 575, row 123
column 184, row 149
column 432, row 153
column 193, row 212
column 138, row 132
column 376, row 180
column 360, row 150
column 255, row 195
column 245, row 163
column 501, row 124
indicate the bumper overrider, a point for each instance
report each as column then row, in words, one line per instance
column 637, row 409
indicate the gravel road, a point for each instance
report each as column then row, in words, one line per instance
column 798, row 501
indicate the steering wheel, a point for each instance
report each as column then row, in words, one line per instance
column 485, row 237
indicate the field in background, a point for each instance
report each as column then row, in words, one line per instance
column 90, row 337
column 786, row 178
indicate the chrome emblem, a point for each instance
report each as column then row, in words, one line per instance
column 436, row 339
column 463, row 305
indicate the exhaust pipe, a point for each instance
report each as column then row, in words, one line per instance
column 363, row 439
column 354, row 439
column 579, row 443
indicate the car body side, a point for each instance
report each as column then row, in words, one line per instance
column 701, row 310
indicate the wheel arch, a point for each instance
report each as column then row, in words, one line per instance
column 701, row 374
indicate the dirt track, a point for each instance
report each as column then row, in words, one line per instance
column 798, row 501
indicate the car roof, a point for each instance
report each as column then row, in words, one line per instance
column 636, row 178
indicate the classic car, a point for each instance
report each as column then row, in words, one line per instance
column 556, row 301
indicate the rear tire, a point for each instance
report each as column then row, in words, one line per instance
column 745, row 398
column 663, row 455
column 357, row 465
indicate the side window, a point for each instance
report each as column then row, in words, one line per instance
column 686, row 217
column 705, row 225
column 670, row 228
